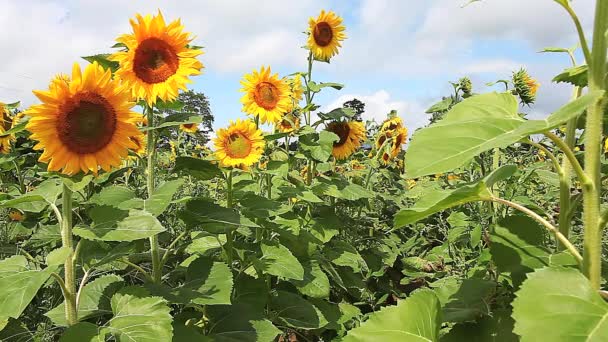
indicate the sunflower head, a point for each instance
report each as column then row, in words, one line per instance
column 16, row 215
column 351, row 134
column 399, row 140
column 466, row 86
column 325, row 34
column 84, row 122
column 356, row 165
column 525, row 86
column 241, row 144
column 266, row 95
column 6, row 123
column 139, row 141
column 297, row 92
column 158, row 60
column 290, row 123
column 391, row 124
column 189, row 127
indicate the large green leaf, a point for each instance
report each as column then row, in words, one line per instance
column 296, row 311
column 239, row 323
column 318, row 145
column 466, row 300
column 518, row 248
column 497, row 328
column 94, row 299
column 315, row 283
column 342, row 253
column 82, row 332
column 558, row 304
column 112, row 224
column 212, row 217
column 114, row 196
column 19, row 285
column 574, row 75
column 415, row 319
column 477, row 124
column 342, row 189
column 435, row 200
column 162, row 196
column 197, row 168
column 278, row 260
column 36, row 200
column 136, row 319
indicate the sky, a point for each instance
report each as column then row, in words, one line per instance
column 399, row 54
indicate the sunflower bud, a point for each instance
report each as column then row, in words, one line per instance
column 525, row 86
column 466, row 86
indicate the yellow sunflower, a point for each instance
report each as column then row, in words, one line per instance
column 265, row 95
column 140, row 142
column 16, row 215
column 351, row 136
column 290, row 123
column 400, row 137
column 158, row 60
column 391, row 124
column 84, row 122
column 189, row 127
column 297, row 92
column 325, row 34
column 6, row 123
column 239, row 145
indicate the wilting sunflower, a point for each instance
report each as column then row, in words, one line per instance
column 325, row 34
column 290, row 123
column 158, row 60
column 265, row 95
column 189, row 127
column 525, row 86
column 351, row 134
column 241, row 144
column 6, row 123
column 84, row 122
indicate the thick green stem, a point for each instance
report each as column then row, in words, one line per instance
column 71, row 314
column 151, row 150
column 592, row 252
column 229, row 235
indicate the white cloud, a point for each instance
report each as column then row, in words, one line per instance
column 496, row 66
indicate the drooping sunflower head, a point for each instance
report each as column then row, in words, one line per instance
column 351, row 134
column 189, row 127
column 266, row 95
column 325, row 34
column 84, row 122
column 391, row 124
column 400, row 138
column 297, row 92
column 241, row 144
column 6, row 123
column 158, row 60
column 290, row 123
column 525, row 86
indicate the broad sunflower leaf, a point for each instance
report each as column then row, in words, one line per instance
column 36, row 200
column 495, row 328
column 296, row 311
column 440, row 106
column 558, row 304
column 19, row 285
column 102, row 59
column 114, row 196
column 112, row 224
column 176, row 120
column 198, row 168
column 212, row 217
column 466, row 300
column 575, row 75
column 342, row 253
column 278, row 260
column 318, row 145
column 240, row 322
column 416, row 319
column 478, row 124
column 315, row 283
column 94, row 300
column 162, row 196
column 341, row 189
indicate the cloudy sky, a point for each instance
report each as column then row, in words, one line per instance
column 400, row 54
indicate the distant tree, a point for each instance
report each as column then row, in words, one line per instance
column 357, row 106
column 196, row 103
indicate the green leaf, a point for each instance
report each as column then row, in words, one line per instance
column 202, row 243
column 278, row 260
column 103, row 60
column 555, row 49
column 176, row 120
column 576, row 76
column 341, row 189
column 318, row 145
column 58, row 256
column 440, row 106
column 82, row 332
column 558, row 304
column 14, row 330
column 239, row 323
column 94, row 300
column 197, row 168
column 45, row 193
column 214, row 218
column 296, row 311
column 114, row 196
column 478, row 124
column 315, row 283
column 498, row 328
column 19, row 285
column 162, row 196
column 415, row 319
column 139, row 319
column 111, row 224
column 517, row 248
column 342, row 253
column 337, row 114
column 16, row 129
column 466, row 300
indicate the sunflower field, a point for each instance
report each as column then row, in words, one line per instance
column 296, row 224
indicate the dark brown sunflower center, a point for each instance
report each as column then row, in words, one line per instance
column 342, row 130
column 322, row 34
column 155, row 61
column 189, row 125
column 238, row 146
column 86, row 123
column 266, row 95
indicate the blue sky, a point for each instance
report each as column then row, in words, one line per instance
column 400, row 54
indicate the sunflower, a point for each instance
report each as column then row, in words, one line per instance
column 325, row 34
column 391, row 124
column 297, row 92
column 6, row 123
column 140, row 142
column 525, row 86
column 290, row 123
column 239, row 145
column 189, row 127
column 265, row 95
column 16, row 215
column 158, row 60
column 400, row 137
column 351, row 135
column 84, row 122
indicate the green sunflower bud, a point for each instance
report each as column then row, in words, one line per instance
column 525, row 86
column 466, row 86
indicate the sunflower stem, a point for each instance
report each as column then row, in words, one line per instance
column 229, row 235
column 71, row 314
column 154, row 247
